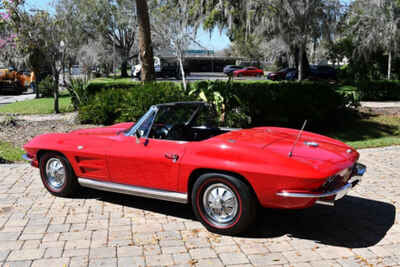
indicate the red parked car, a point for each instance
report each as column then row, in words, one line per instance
column 248, row 71
column 177, row 152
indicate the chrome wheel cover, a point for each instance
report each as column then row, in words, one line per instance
column 55, row 173
column 220, row 204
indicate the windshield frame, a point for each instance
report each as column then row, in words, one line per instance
column 137, row 125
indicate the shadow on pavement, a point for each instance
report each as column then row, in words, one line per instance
column 354, row 222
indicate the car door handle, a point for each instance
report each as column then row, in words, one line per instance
column 174, row 157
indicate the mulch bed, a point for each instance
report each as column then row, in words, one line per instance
column 19, row 132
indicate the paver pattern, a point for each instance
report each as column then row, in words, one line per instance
column 106, row 229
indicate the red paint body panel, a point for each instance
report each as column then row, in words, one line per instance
column 144, row 165
column 259, row 155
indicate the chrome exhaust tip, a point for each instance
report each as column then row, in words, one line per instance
column 330, row 203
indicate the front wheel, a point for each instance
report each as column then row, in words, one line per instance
column 57, row 175
column 223, row 204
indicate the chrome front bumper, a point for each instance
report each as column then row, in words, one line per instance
column 358, row 171
column 25, row 157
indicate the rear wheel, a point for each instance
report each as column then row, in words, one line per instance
column 223, row 204
column 57, row 175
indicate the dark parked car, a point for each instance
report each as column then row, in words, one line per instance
column 229, row 69
column 279, row 75
column 322, row 73
column 315, row 73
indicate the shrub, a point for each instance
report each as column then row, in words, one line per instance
column 107, row 84
column 46, row 87
column 119, row 105
column 285, row 103
column 140, row 99
column 379, row 90
column 239, row 103
column 78, row 89
column 104, row 107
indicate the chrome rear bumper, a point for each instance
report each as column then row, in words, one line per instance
column 358, row 171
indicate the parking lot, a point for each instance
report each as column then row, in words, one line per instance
column 106, row 229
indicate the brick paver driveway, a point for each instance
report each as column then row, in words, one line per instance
column 105, row 229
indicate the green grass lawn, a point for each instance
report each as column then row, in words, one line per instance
column 112, row 80
column 9, row 152
column 37, row 106
column 372, row 131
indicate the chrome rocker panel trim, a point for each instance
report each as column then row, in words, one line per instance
column 134, row 190
column 25, row 157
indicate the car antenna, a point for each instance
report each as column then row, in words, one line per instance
column 297, row 139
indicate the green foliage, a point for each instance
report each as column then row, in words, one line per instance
column 46, row 87
column 372, row 66
column 239, row 103
column 266, row 103
column 115, row 104
column 9, row 153
column 78, row 89
column 109, row 84
column 104, row 107
column 379, row 90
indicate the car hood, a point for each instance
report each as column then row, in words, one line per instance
column 310, row 147
column 109, row 130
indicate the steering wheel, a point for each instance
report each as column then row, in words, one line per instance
column 176, row 132
column 161, row 132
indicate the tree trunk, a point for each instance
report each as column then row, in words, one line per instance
column 56, row 106
column 145, row 46
column 36, row 83
column 389, row 65
column 300, row 64
column 63, row 68
column 124, row 69
column 182, row 70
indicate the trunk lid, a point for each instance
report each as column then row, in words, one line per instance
column 310, row 146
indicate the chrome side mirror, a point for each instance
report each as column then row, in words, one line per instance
column 138, row 136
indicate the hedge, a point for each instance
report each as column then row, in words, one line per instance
column 379, row 90
column 284, row 103
column 112, row 105
column 98, row 85
column 240, row 103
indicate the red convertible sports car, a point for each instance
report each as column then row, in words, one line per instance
column 177, row 152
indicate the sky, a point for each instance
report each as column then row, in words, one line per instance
column 215, row 41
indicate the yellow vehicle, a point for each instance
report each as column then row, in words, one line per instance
column 15, row 82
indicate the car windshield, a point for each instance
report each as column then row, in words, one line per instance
column 190, row 121
column 179, row 114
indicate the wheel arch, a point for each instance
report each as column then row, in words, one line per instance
column 41, row 152
column 198, row 172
